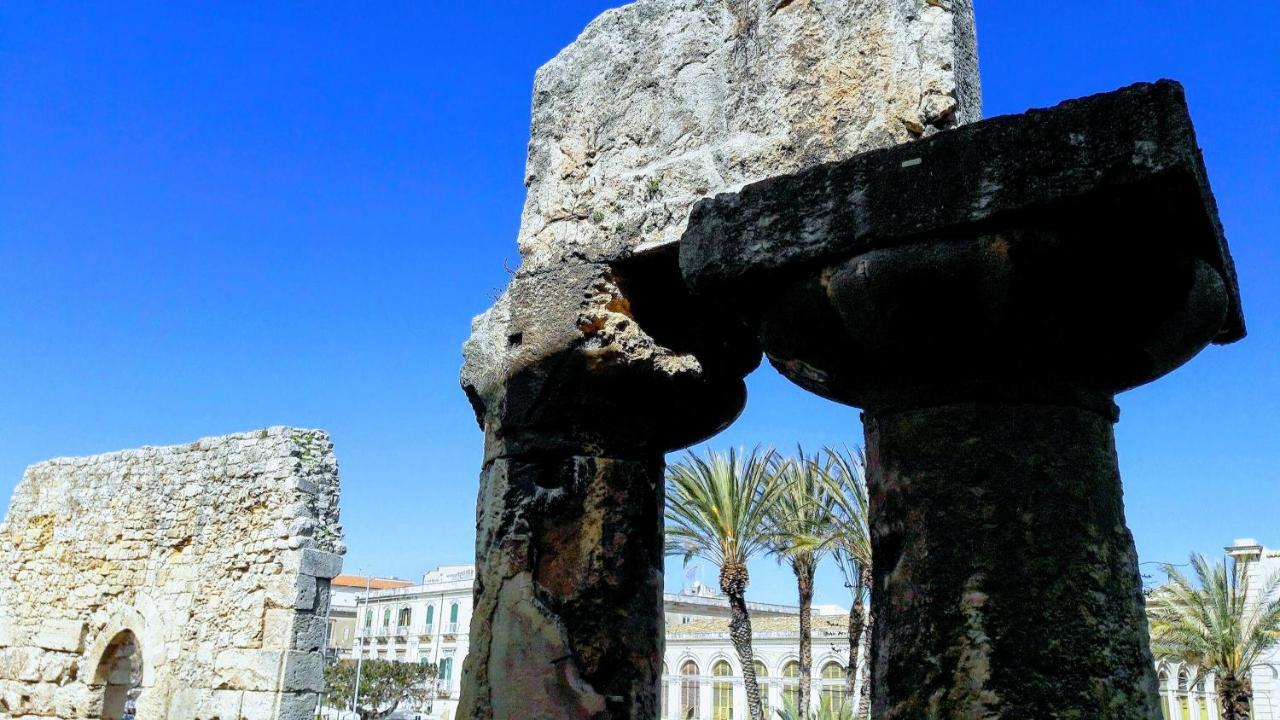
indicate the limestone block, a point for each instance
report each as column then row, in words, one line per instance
column 21, row 663
column 318, row 563
column 284, row 706
column 292, row 591
column 248, row 669
column 279, row 627
column 269, row 670
column 9, row 634
column 658, row 104
column 73, row 700
column 203, row 703
column 303, row 671
column 65, row 635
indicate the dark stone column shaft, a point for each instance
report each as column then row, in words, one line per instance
column 1006, row 581
column 569, row 589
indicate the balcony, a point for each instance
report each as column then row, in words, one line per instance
column 402, row 632
column 451, row 629
column 426, row 631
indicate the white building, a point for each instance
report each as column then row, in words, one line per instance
column 1264, row 565
column 1183, row 698
column 700, row 671
column 424, row 623
column 429, row 623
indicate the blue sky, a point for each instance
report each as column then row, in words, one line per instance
column 218, row 217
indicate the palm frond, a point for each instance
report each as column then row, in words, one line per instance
column 717, row 505
column 1216, row 622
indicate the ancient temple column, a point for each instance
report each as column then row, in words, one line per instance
column 597, row 383
column 595, row 361
column 983, row 295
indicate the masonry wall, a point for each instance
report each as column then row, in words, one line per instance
column 215, row 555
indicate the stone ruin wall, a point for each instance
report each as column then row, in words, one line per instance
column 216, row 555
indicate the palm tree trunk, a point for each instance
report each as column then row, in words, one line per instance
column 1235, row 695
column 864, row 697
column 804, row 585
column 857, row 621
column 740, row 634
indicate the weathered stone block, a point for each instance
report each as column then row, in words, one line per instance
column 318, row 563
column 1130, row 151
column 66, row 635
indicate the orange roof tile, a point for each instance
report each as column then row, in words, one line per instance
column 358, row 581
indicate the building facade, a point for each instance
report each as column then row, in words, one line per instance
column 701, row 674
column 1264, row 565
column 429, row 623
column 345, row 592
column 424, row 623
column 1186, row 696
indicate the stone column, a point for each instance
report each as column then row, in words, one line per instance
column 592, row 388
column 595, row 361
column 983, row 295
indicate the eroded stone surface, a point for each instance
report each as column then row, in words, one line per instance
column 1128, row 153
column 662, row 102
column 215, row 555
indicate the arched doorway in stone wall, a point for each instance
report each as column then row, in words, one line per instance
column 119, row 674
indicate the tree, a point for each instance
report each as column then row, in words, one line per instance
column 851, row 549
column 384, row 685
column 803, row 522
column 1217, row 624
column 717, row 509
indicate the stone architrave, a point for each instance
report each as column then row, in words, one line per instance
column 983, row 295
column 595, row 361
column 213, row 559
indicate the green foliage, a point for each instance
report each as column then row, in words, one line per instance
column 384, row 685
column 653, row 188
column 1217, row 623
column 718, row 506
column 851, row 545
column 803, row 519
column 836, row 711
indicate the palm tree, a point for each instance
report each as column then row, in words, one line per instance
column 717, row 509
column 1218, row 624
column 852, row 552
column 803, row 520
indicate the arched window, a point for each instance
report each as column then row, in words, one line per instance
column 406, row 615
column 1164, row 694
column 453, row 618
column 431, row 616
column 761, row 675
column 722, row 692
column 386, row 617
column 119, row 674
column 791, row 684
column 1184, row 702
column 446, row 669
column 832, row 687
column 689, row 690
column 368, row 618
